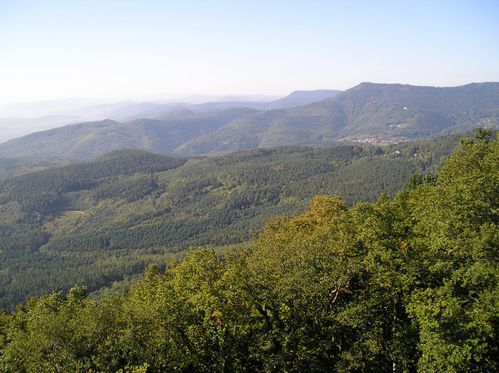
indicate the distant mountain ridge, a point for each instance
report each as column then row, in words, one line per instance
column 300, row 98
column 20, row 119
column 369, row 112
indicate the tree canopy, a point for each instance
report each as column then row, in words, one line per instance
column 402, row 284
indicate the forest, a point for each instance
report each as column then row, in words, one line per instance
column 402, row 283
column 101, row 222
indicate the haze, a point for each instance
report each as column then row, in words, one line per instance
column 167, row 50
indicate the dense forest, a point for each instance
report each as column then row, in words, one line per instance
column 368, row 112
column 399, row 284
column 104, row 221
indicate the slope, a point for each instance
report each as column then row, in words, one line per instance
column 375, row 113
column 98, row 222
column 93, row 139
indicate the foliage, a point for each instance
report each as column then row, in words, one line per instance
column 100, row 222
column 403, row 284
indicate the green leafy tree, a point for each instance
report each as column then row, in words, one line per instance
column 454, row 261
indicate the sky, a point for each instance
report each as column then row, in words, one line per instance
column 148, row 49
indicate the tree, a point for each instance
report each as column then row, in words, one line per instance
column 454, row 261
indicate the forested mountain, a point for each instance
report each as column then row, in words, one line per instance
column 375, row 113
column 97, row 222
column 404, row 284
column 91, row 140
column 10, row 167
column 24, row 118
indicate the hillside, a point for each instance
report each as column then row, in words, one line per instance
column 403, row 284
column 21, row 119
column 374, row 113
column 99, row 222
column 94, row 139
column 10, row 167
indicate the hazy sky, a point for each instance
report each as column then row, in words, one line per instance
column 145, row 48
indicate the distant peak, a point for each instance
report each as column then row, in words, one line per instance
column 306, row 91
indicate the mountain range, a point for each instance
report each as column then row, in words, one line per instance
column 369, row 112
column 20, row 119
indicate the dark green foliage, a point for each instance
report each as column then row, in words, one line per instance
column 128, row 188
column 402, row 285
column 72, row 222
column 10, row 167
column 455, row 241
column 40, row 191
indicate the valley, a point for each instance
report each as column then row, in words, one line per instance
column 98, row 222
column 249, row 186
